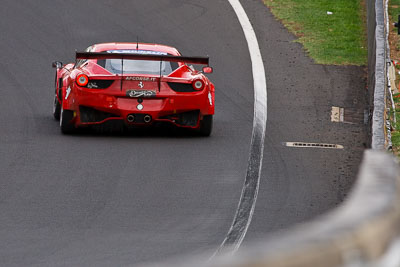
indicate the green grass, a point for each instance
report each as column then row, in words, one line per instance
column 396, row 139
column 396, row 132
column 394, row 9
column 338, row 39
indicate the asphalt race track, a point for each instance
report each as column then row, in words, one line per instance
column 115, row 200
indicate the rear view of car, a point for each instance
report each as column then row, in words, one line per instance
column 135, row 85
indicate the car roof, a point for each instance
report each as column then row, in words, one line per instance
column 139, row 46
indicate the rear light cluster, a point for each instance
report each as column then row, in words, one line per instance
column 83, row 81
column 198, row 85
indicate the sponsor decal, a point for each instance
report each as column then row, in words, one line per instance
column 67, row 93
column 138, row 78
column 141, row 84
column 210, row 98
column 141, row 93
column 92, row 85
column 140, row 52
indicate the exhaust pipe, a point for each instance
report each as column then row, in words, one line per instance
column 147, row 118
column 131, row 118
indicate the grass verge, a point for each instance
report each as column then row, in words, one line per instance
column 338, row 38
column 394, row 42
column 395, row 131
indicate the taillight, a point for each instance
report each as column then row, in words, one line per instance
column 198, row 85
column 82, row 80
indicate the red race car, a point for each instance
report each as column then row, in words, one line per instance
column 133, row 84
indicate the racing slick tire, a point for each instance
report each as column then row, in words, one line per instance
column 66, row 126
column 206, row 125
column 56, row 103
column 56, row 108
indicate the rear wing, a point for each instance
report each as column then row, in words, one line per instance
column 133, row 56
column 105, row 55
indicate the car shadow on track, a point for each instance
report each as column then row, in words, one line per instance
column 159, row 131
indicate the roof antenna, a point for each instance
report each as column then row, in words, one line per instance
column 137, row 42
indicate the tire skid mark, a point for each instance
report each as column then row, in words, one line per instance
column 251, row 185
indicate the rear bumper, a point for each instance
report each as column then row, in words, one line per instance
column 183, row 110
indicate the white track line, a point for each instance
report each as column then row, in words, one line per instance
column 248, row 197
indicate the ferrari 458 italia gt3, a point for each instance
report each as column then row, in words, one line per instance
column 133, row 85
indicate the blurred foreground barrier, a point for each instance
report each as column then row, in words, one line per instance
column 363, row 231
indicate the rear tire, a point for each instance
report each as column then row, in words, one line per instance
column 66, row 124
column 206, row 125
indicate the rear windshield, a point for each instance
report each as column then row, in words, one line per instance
column 137, row 66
